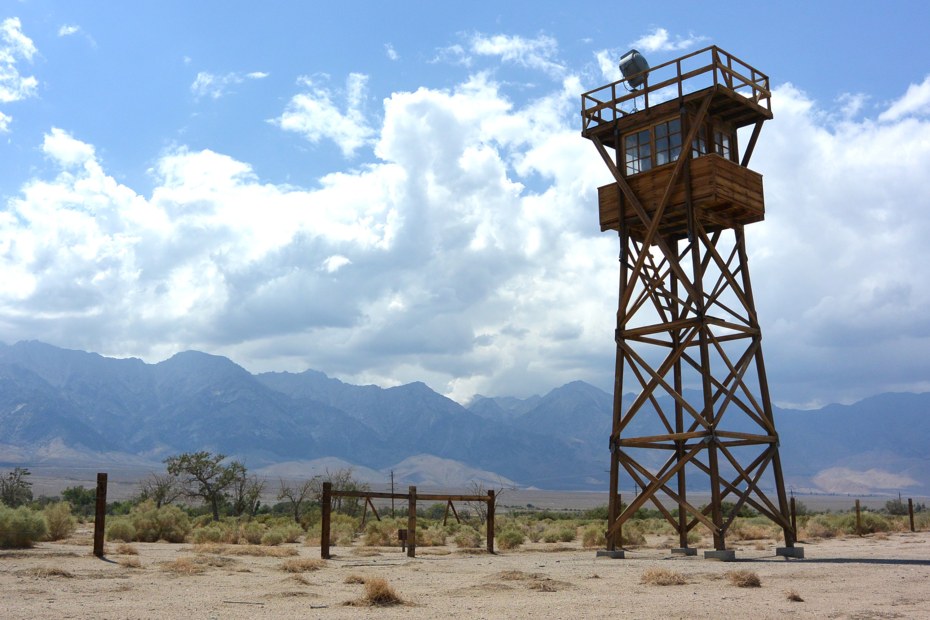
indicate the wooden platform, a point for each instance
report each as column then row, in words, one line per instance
column 724, row 195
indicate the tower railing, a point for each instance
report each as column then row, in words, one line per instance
column 705, row 68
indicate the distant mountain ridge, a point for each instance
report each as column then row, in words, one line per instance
column 57, row 405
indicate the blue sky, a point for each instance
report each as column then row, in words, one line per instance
column 390, row 192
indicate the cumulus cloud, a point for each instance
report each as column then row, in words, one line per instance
column 659, row 40
column 915, row 102
column 316, row 116
column 14, row 47
column 537, row 53
column 215, row 86
column 467, row 252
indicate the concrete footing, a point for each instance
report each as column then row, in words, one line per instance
column 613, row 554
column 726, row 555
column 790, row 552
column 684, row 551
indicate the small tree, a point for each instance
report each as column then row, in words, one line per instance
column 299, row 495
column 203, row 475
column 342, row 480
column 83, row 501
column 246, row 495
column 160, row 488
column 15, row 490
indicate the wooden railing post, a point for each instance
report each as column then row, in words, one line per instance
column 910, row 512
column 100, row 516
column 794, row 519
column 490, row 522
column 858, row 519
column 326, row 506
column 412, row 523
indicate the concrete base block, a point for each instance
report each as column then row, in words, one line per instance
column 727, row 555
column 684, row 551
column 790, row 552
column 616, row 554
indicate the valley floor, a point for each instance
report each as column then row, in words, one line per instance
column 883, row 576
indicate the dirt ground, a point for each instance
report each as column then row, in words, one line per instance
column 883, row 576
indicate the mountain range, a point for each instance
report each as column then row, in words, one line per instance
column 64, row 407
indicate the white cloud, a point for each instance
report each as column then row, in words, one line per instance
column 67, row 30
column 316, row 116
column 915, row 102
column 659, row 40
column 537, row 53
column 65, row 149
column 391, row 52
column 5, row 120
column 215, row 86
column 15, row 46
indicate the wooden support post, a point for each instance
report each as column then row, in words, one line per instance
column 490, row 522
column 412, row 523
column 794, row 518
column 445, row 515
column 910, row 512
column 858, row 519
column 100, row 516
column 326, row 502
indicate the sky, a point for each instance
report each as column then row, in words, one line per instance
column 397, row 192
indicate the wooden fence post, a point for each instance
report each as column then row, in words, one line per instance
column 858, row 520
column 794, row 518
column 910, row 512
column 326, row 507
column 100, row 516
column 490, row 524
column 412, row 523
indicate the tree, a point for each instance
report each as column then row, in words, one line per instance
column 161, row 489
column 342, row 480
column 299, row 495
column 83, row 501
column 203, row 475
column 15, row 490
column 246, row 495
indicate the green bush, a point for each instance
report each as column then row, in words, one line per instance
column 431, row 536
column 251, row 532
column 121, row 529
column 168, row 523
column 20, row 527
column 871, row 523
column 468, row 537
column 510, row 539
column 272, row 538
column 593, row 536
column 58, row 519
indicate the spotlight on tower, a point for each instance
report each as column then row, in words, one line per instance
column 634, row 68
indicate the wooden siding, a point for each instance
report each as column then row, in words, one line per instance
column 724, row 195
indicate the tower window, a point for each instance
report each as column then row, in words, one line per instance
column 668, row 141
column 722, row 144
column 637, row 152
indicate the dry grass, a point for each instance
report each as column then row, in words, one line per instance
column 184, row 566
column 130, row 562
column 45, row 572
column 380, row 594
column 250, row 550
column 355, row 578
column 299, row 578
column 662, row 577
column 793, row 596
column 126, row 549
column 302, row 565
column 744, row 578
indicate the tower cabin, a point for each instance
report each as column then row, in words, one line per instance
column 694, row 106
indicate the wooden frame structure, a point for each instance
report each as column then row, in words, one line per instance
column 688, row 336
column 412, row 496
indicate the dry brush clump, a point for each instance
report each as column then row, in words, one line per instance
column 20, row 528
column 46, row 572
column 378, row 593
column 662, row 577
column 250, row 550
column 60, row 524
column 302, row 565
column 744, row 578
column 793, row 596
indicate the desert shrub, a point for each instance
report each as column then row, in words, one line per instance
column 379, row 593
column 291, row 531
column 20, row 527
column 593, row 536
column 168, row 523
column 121, row 529
column 467, row 537
column 382, row 533
column 743, row 529
column 251, row 532
column 510, row 539
column 871, row 523
column 662, row 577
column 203, row 535
column 822, row 526
column 302, row 565
column 342, row 529
column 744, row 579
column 633, row 536
column 272, row 538
column 60, row 524
column 432, row 536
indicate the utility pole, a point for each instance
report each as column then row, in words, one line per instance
column 392, row 493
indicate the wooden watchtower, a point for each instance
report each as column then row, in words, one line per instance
column 688, row 336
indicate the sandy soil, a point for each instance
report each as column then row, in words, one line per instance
column 870, row 577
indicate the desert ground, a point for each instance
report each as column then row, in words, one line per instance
column 880, row 576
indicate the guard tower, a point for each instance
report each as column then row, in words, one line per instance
column 688, row 336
